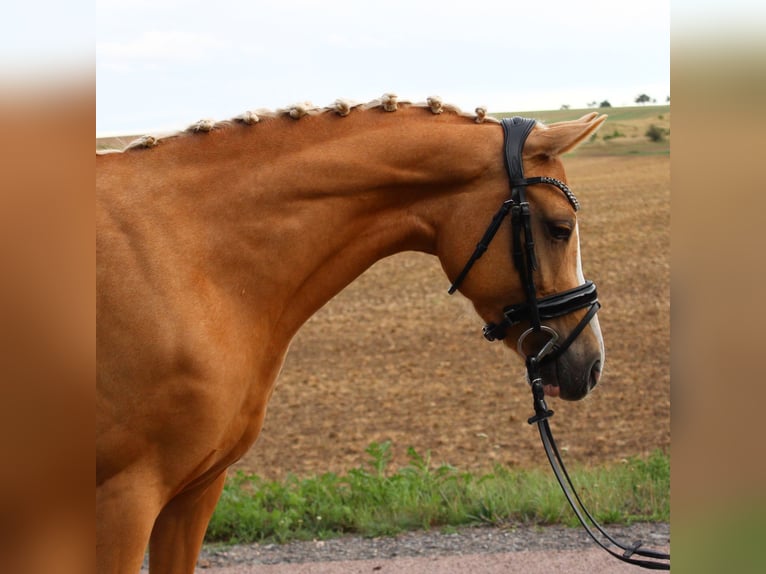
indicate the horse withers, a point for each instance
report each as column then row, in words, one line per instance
column 216, row 244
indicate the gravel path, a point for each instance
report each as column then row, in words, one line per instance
column 520, row 548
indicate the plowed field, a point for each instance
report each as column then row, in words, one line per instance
column 393, row 357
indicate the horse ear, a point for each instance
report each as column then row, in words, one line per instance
column 562, row 137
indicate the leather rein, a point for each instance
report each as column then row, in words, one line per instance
column 535, row 311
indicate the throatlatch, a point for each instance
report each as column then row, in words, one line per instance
column 535, row 311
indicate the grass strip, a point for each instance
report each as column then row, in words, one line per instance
column 374, row 500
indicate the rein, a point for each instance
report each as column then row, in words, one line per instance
column 535, row 311
column 542, row 414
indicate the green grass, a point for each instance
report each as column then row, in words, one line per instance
column 375, row 500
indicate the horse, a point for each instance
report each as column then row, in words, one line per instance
column 215, row 244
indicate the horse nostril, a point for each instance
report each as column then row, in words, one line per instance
column 595, row 373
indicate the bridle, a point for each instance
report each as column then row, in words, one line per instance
column 535, row 311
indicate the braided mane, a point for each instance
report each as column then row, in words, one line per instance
column 342, row 107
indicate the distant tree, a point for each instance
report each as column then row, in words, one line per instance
column 667, row 99
column 605, row 104
column 642, row 99
column 564, row 106
column 592, row 104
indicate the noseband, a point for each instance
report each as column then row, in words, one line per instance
column 535, row 311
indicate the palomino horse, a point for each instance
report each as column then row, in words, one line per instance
column 214, row 246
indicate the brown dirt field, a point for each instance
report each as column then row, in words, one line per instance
column 393, row 357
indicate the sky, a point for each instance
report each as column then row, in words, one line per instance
column 164, row 64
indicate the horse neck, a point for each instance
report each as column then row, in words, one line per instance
column 306, row 206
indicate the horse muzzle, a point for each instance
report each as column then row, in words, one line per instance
column 570, row 377
column 571, row 373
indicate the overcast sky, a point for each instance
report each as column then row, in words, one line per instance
column 163, row 64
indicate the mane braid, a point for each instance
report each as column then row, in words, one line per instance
column 142, row 143
column 248, row 118
column 204, row 126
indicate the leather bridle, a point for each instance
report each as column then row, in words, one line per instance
column 535, row 311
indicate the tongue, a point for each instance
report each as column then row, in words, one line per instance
column 551, row 391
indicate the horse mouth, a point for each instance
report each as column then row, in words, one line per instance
column 551, row 390
column 560, row 381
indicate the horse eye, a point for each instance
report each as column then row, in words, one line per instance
column 559, row 231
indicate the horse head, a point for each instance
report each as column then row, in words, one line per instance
column 524, row 277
